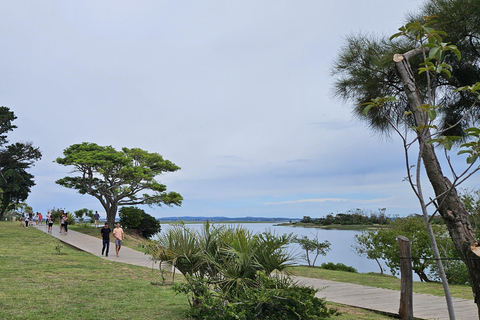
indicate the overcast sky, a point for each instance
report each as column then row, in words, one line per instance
column 237, row 93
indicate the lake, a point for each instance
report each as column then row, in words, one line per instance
column 341, row 244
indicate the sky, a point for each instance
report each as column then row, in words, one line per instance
column 236, row 93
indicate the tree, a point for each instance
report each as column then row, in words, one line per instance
column 313, row 248
column 381, row 244
column 136, row 218
column 367, row 244
column 117, row 178
column 407, row 94
column 79, row 214
column 15, row 160
column 20, row 209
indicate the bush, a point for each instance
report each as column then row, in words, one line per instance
column 273, row 298
column 137, row 219
column 338, row 267
column 71, row 219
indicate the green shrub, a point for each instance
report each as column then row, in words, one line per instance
column 136, row 218
column 338, row 266
column 273, row 298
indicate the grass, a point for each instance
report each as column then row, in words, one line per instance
column 382, row 281
column 38, row 283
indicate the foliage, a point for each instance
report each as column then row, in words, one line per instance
column 382, row 244
column 352, row 217
column 58, row 247
column 81, row 213
column 56, row 214
column 118, row 178
column 18, row 210
column 367, row 244
column 313, row 248
column 338, row 266
column 224, row 264
column 471, row 201
column 135, row 218
column 272, row 298
column 71, row 219
column 15, row 160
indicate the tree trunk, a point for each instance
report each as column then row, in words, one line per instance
column 450, row 206
column 380, row 266
column 111, row 215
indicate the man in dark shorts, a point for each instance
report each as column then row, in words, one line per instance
column 105, row 231
column 50, row 223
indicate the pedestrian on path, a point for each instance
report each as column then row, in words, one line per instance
column 105, row 232
column 26, row 221
column 50, row 223
column 119, row 236
column 40, row 218
column 96, row 217
column 64, row 223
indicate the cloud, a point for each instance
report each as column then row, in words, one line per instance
column 235, row 93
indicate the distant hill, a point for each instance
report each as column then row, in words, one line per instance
column 226, row 219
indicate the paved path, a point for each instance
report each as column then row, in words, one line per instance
column 94, row 246
column 424, row 306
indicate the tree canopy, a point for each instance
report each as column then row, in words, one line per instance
column 15, row 160
column 118, row 178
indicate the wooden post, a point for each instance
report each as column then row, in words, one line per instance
column 406, row 296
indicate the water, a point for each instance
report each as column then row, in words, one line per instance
column 341, row 244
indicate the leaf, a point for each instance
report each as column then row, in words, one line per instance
column 367, row 108
column 471, row 159
column 472, row 131
column 432, row 114
column 463, row 152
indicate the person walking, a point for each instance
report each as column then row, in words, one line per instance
column 96, row 217
column 62, row 222
column 105, row 232
column 50, row 223
column 40, row 218
column 65, row 224
column 119, row 236
column 26, row 221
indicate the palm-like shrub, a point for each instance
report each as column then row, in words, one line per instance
column 224, row 265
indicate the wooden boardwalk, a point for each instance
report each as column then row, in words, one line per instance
column 383, row 300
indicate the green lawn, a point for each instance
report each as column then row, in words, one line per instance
column 38, row 283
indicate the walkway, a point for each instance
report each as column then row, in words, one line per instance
column 424, row 306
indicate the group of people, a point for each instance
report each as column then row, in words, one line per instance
column 105, row 231
column 117, row 234
column 31, row 218
column 37, row 218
